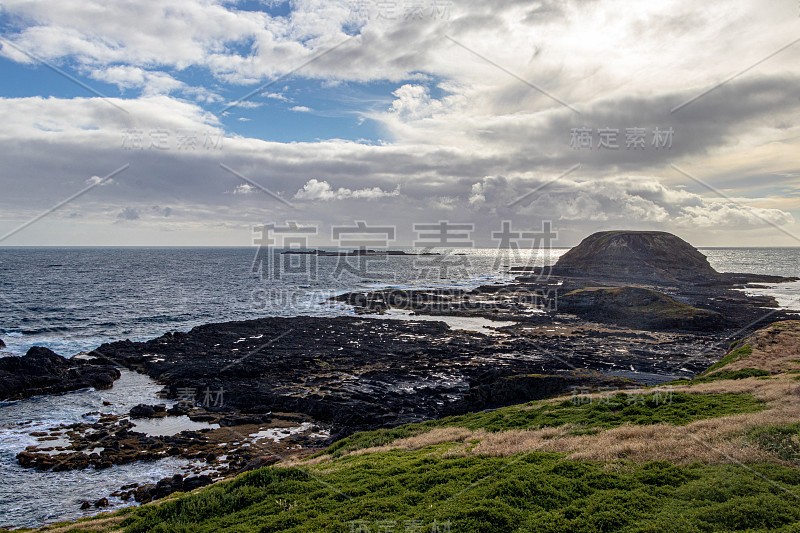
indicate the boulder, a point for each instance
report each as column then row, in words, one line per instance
column 167, row 486
column 102, row 502
column 144, row 493
column 177, row 410
column 142, row 411
column 2, row 344
column 148, row 411
column 260, row 461
column 191, row 483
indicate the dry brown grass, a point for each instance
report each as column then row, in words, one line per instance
column 104, row 524
column 710, row 441
column 774, row 348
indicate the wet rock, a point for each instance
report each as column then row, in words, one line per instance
column 177, row 410
column 86, row 505
column 144, row 493
column 2, row 344
column 42, row 371
column 142, row 411
column 191, row 483
column 102, row 502
column 148, row 411
column 239, row 420
column 167, row 486
column 260, row 462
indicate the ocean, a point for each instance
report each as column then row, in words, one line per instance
column 73, row 299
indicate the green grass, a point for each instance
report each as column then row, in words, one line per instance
column 585, row 414
column 537, row 491
column 723, row 375
column 735, row 355
column 783, row 441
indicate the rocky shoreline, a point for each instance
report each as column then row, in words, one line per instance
column 275, row 388
column 42, row 371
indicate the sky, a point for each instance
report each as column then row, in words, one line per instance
column 192, row 122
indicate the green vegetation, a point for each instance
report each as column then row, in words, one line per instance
column 531, row 492
column 586, row 414
column 783, row 441
column 722, row 375
column 735, row 355
column 638, row 302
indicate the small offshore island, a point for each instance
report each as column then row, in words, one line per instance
column 629, row 387
column 327, row 253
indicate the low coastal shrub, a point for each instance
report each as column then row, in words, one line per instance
column 536, row 491
column 731, row 374
column 783, row 441
column 735, row 355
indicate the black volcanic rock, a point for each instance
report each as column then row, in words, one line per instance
column 148, row 411
column 652, row 256
column 352, row 373
column 42, row 371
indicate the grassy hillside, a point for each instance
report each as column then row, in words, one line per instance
column 717, row 453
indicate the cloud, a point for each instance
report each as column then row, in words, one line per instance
column 129, row 213
column 457, row 126
column 476, row 196
column 300, row 109
column 127, row 77
column 244, row 189
column 98, row 181
column 315, row 190
column 619, row 201
column 414, row 102
column 161, row 211
column 276, row 96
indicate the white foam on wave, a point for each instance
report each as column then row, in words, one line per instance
column 786, row 294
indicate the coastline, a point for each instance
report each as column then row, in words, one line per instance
column 565, row 352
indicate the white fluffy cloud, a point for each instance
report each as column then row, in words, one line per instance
column 322, row 191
